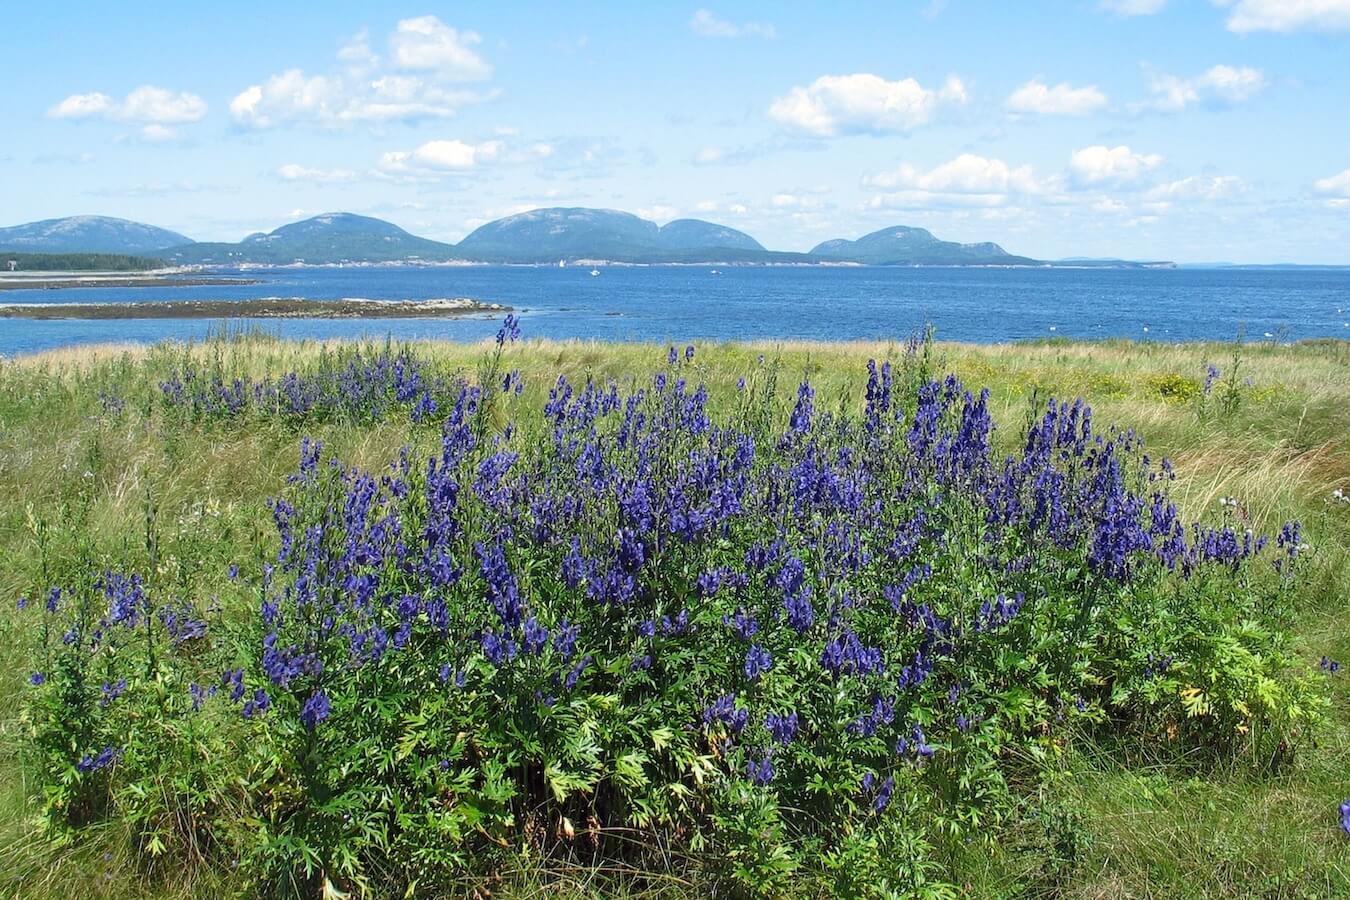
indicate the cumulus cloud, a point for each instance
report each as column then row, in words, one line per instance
column 331, row 101
column 862, row 103
column 1098, row 164
column 440, row 157
column 1133, row 7
column 916, row 200
column 83, row 106
column 968, row 180
column 1288, row 15
column 966, row 174
column 1216, row 87
column 422, row 77
column 1338, row 185
column 147, row 104
column 428, row 44
column 1061, row 100
column 1336, row 188
column 297, row 172
column 706, row 24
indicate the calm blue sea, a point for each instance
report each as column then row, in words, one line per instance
column 691, row 303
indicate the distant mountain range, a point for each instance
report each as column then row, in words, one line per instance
column 330, row 238
column 548, row 235
column 88, row 234
column 905, row 246
column 538, row 236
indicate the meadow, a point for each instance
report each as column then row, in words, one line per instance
column 786, row 619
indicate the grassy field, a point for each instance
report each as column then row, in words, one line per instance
column 1273, row 432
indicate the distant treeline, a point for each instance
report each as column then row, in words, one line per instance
column 77, row 262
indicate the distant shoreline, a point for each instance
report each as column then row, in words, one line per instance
column 47, row 281
column 586, row 262
column 266, row 308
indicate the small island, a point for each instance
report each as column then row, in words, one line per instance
column 68, row 281
column 265, row 308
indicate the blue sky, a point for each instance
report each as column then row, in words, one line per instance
column 1193, row 130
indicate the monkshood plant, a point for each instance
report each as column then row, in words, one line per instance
column 361, row 385
column 116, row 720
column 809, row 647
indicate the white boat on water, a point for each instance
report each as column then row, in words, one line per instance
column 595, row 271
column 562, row 263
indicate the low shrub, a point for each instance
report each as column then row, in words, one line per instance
column 1174, row 387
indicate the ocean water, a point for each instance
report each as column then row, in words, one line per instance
column 690, row 303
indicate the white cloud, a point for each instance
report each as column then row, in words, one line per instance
column 245, row 106
column 334, row 101
column 862, row 103
column 297, row 172
column 706, row 24
column 966, row 174
column 966, row 181
column 153, row 104
column 1288, row 15
column 707, row 156
column 422, row 79
column 147, row 104
column 440, row 157
column 82, row 106
column 1061, row 100
column 926, row 200
column 428, row 44
column 290, row 96
column 1111, row 165
column 1133, row 7
column 1336, row 188
column 1198, row 187
column 1217, row 86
